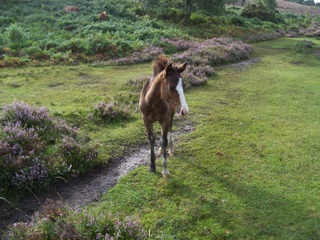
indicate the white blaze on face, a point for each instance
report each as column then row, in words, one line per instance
column 184, row 107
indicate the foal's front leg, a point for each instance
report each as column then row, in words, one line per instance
column 170, row 144
column 153, row 155
column 164, row 144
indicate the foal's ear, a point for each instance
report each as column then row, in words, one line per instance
column 182, row 67
column 169, row 69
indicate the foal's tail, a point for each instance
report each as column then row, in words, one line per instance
column 160, row 64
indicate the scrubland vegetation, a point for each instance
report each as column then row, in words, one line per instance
column 70, row 86
column 39, row 32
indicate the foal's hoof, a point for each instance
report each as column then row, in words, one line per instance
column 165, row 175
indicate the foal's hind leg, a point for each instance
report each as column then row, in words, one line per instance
column 171, row 151
column 170, row 144
column 151, row 138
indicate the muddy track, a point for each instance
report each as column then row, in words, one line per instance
column 82, row 190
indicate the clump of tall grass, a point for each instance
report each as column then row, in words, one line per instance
column 35, row 148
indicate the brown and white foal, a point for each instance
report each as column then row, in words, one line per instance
column 161, row 97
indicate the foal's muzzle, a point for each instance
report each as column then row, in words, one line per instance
column 182, row 111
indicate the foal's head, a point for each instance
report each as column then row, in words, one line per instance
column 173, row 88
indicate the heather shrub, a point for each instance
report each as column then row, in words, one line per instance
column 35, row 148
column 29, row 117
column 175, row 45
column 112, row 111
column 198, row 75
column 137, row 83
column 147, row 54
column 201, row 57
column 107, row 226
column 56, row 221
column 301, row 46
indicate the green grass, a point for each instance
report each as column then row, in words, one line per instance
column 250, row 169
column 72, row 92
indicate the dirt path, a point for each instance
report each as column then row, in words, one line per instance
column 83, row 189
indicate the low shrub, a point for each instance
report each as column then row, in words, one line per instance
column 212, row 52
column 147, row 54
column 137, row 83
column 303, row 45
column 259, row 10
column 112, row 111
column 16, row 37
column 35, row 148
column 56, row 221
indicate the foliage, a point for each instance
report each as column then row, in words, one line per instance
column 303, row 45
column 203, row 56
column 15, row 37
column 39, row 33
column 56, row 221
column 245, row 172
column 110, row 112
column 35, row 148
column 271, row 4
column 259, row 10
column 147, row 54
column 184, row 9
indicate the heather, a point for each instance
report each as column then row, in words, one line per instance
column 113, row 111
column 41, row 34
column 203, row 56
column 249, row 170
column 56, row 221
column 36, row 148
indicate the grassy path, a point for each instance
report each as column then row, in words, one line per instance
column 250, row 170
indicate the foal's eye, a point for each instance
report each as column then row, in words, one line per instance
column 172, row 88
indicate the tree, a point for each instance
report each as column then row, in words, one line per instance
column 309, row 2
column 207, row 7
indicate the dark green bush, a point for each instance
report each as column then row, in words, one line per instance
column 259, row 10
column 237, row 20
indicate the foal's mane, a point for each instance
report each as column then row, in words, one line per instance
column 160, row 63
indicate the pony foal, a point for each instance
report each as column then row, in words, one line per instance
column 161, row 97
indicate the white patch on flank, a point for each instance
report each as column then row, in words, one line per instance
column 183, row 102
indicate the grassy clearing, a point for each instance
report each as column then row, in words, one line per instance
column 250, row 170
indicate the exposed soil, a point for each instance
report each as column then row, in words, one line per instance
column 82, row 190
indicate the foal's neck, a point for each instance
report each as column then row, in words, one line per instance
column 154, row 92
